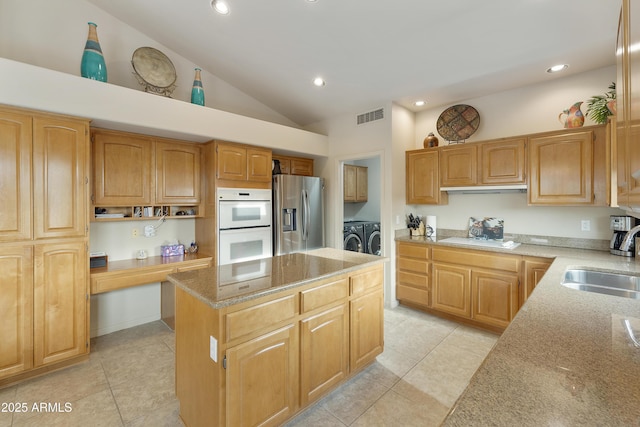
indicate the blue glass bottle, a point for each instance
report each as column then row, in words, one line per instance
column 197, row 92
column 93, row 65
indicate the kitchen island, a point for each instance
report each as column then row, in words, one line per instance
column 258, row 341
column 565, row 359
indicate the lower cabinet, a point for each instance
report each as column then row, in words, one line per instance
column 486, row 289
column 44, row 301
column 277, row 354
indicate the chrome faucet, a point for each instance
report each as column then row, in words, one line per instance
column 628, row 238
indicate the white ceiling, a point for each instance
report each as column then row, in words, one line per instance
column 372, row 52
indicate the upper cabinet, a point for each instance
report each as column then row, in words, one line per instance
column 132, row 172
column 356, row 183
column 295, row 165
column 568, row 168
column 423, row 178
column 242, row 165
column 628, row 107
column 497, row 162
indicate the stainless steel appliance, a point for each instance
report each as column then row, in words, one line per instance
column 298, row 213
column 244, row 224
column 353, row 236
column 621, row 225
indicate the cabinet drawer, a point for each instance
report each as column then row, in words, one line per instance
column 334, row 290
column 413, row 251
column 128, row 279
column 413, row 265
column 418, row 296
column 366, row 280
column 419, row 280
column 480, row 259
column 261, row 316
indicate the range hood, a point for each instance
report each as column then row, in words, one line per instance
column 486, row 189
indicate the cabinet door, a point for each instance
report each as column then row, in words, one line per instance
column 324, row 352
column 262, row 379
column 494, row 297
column 121, row 169
column 16, row 306
column 15, row 176
column 451, row 289
column 561, row 169
column 258, row 165
column 367, row 329
column 362, row 184
column 232, row 162
column 285, row 165
column 177, row 173
column 60, row 182
column 60, row 301
column 302, row 167
column 423, row 178
column 349, row 181
column 502, row 162
column 459, row 165
column 534, row 269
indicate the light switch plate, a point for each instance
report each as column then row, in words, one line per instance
column 213, row 349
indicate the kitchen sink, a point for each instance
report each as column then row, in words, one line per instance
column 617, row 284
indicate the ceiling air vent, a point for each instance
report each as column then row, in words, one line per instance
column 370, row 116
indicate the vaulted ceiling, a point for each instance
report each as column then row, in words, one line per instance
column 371, row 52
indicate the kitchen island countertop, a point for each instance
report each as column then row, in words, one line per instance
column 230, row 284
column 565, row 359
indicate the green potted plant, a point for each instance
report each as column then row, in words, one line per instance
column 599, row 107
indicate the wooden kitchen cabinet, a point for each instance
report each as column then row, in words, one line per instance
column 412, row 273
column 16, row 131
column 568, row 168
column 122, row 165
column 295, row 165
column 262, row 379
column 423, row 178
column 628, row 106
column 494, row 297
column 366, row 318
column 451, row 289
column 534, row 268
column 356, row 183
column 241, row 164
column 44, row 284
column 496, row 162
column 16, row 306
column 177, row 173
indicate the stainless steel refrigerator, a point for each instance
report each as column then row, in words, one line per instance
column 298, row 213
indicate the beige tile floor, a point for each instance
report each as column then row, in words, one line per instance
column 129, row 380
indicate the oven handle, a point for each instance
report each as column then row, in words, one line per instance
column 305, row 215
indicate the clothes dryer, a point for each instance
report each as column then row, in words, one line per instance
column 372, row 238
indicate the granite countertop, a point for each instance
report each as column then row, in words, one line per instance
column 565, row 359
column 225, row 285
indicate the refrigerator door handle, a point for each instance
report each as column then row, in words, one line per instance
column 305, row 215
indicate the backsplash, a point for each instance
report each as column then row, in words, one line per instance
column 529, row 239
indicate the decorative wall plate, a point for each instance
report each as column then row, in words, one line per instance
column 154, row 70
column 458, row 122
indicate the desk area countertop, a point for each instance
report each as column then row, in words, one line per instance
column 565, row 359
column 226, row 285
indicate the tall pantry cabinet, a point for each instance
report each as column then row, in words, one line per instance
column 44, row 264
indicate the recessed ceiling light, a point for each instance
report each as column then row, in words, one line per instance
column 557, row 68
column 419, row 103
column 220, row 6
column 319, row 81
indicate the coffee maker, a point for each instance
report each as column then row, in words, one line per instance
column 620, row 225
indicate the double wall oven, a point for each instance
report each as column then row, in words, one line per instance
column 244, row 224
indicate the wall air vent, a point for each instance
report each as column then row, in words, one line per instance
column 370, row 116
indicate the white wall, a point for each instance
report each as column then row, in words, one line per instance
column 521, row 111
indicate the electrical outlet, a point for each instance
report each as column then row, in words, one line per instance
column 134, row 232
column 585, row 225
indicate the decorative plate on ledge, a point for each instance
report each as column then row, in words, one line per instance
column 154, row 70
column 458, row 123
